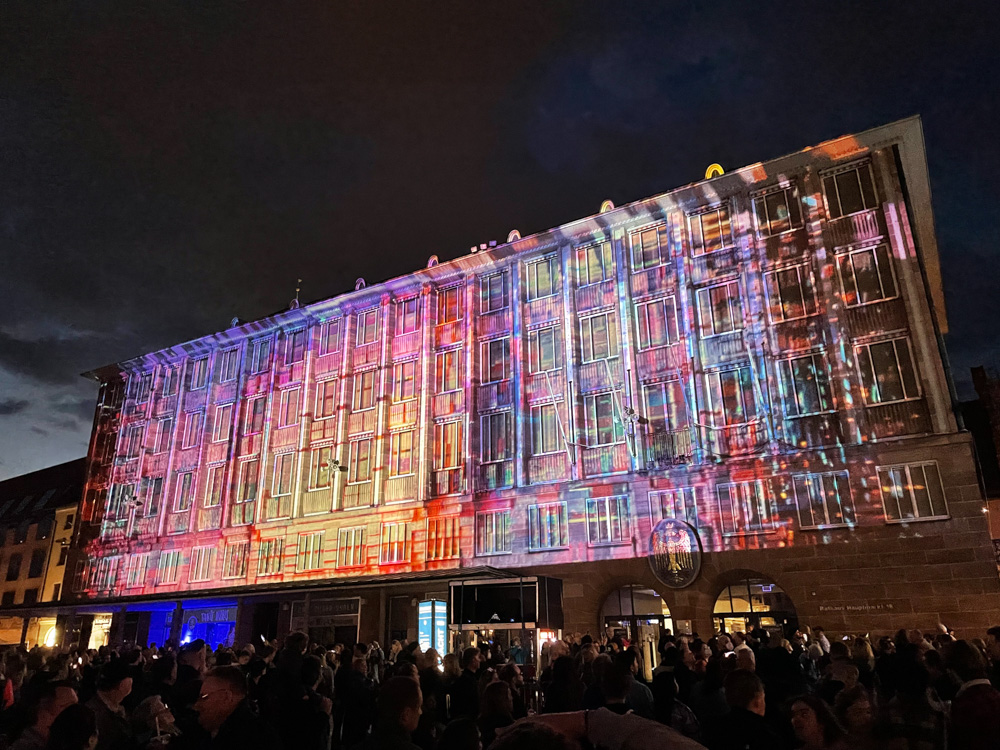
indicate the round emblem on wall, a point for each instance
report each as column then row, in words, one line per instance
column 675, row 553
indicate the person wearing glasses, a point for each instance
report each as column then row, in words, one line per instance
column 224, row 712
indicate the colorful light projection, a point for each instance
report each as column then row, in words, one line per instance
column 728, row 365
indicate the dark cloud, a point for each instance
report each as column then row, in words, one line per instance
column 13, row 406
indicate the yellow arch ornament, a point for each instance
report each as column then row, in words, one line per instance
column 714, row 170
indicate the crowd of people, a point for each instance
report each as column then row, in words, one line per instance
column 739, row 691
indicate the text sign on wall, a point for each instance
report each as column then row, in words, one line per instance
column 675, row 553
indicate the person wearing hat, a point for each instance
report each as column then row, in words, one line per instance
column 114, row 683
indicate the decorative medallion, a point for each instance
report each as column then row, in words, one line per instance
column 675, row 553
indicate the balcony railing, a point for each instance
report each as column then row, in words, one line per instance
column 734, row 440
column 495, row 475
column 447, row 482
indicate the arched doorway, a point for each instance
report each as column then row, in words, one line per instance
column 640, row 616
column 753, row 603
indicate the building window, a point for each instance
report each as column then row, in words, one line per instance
column 407, row 315
column 270, row 557
column 7, row 600
column 192, row 429
column 790, row 293
column 63, row 556
column 680, row 503
column 850, row 191
column 243, row 507
column 404, row 381
column 135, row 575
column 350, row 547
column 256, row 408
column 201, row 564
column 887, row 371
column 229, row 362
column 823, row 499
column 657, row 323
column 364, row 390
column 866, row 276
column 545, row 430
column 443, row 537
column 133, row 441
column 543, row 351
column 720, row 309
column 448, row 365
column 542, row 277
column 154, row 494
column 127, row 493
column 197, row 373
column 310, row 551
column 185, row 489
column 447, row 445
column 282, row 484
column 30, row 596
column 777, row 212
column 401, row 454
column 395, row 546
column 493, row 535
column 603, row 426
column 608, row 520
column 912, row 492
column 234, row 561
column 493, row 292
column 805, row 385
column 145, row 386
column 215, row 487
column 599, row 337
column 495, row 436
column 326, row 399
column 449, row 305
column 168, row 567
column 359, row 466
column 288, row 408
column 295, row 346
column 223, row 423
column 169, row 381
column 368, row 326
column 260, row 359
column 321, row 468
column 594, row 264
column 36, row 566
column 329, row 337
column 495, row 363
column 650, row 248
column 745, row 507
column 710, row 231
column 164, row 429
column 66, row 526
column 104, row 574
column 547, row 527
column 731, row 396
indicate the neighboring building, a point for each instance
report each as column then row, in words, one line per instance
column 758, row 355
column 982, row 417
column 38, row 514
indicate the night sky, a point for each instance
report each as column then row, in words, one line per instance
column 166, row 167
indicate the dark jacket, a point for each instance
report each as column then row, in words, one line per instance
column 464, row 694
column 244, row 730
column 975, row 718
column 743, row 730
column 387, row 738
column 113, row 729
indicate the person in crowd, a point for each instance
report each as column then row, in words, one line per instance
column 815, row 726
column 497, row 711
column 225, row 714
column 511, row 674
column 975, row 709
column 75, row 728
column 517, row 653
column 669, row 710
column 855, row 713
column 565, row 690
column 356, row 694
column 114, row 683
column 464, row 691
column 640, row 697
column 913, row 719
column 616, row 683
column 451, row 668
column 54, row 698
column 461, row 734
column 151, row 720
column 397, row 716
column 744, row 727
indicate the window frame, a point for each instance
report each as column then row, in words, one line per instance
column 531, row 285
column 587, row 337
column 660, row 229
column 833, row 174
column 218, row 435
column 402, row 315
column 315, row 466
column 395, row 455
column 866, row 391
column 186, row 484
column 447, row 543
column 908, row 467
column 765, row 503
column 683, row 498
column 173, row 559
column 486, row 293
column 199, row 374
column 486, row 364
column 249, row 427
column 278, row 471
column 726, row 222
column 443, row 297
column 809, row 480
column 229, row 364
column 323, row 398
column 441, row 370
column 557, row 432
column 270, row 559
column 216, row 474
column 295, row 346
column 236, row 554
column 484, row 528
column 287, row 410
column 201, row 564
column 592, row 421
column 535, row 349
column 352, row 553
column 535, row 522
column 487, row 435
column 358, row 400
column 791, row 196
column 190, row 432
column 309, row 551
column 395, row 546
column 399, row 381
column 775, row 302
column 607, row 252
column 709, row 329
column 785, row 378
column 260, row 360
column 367, row 325
column 354, row 462
column 848, row 255
column 710, row 394
column 331, row 330
column 599, row 512
column 439, row 458
column 668, row 304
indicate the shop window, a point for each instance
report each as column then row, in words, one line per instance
column 547, row 527
column 493, row 533
column 911, row 492
column 608, row 520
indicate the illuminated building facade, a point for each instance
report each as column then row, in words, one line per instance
column 758, row 354
column 38, row 513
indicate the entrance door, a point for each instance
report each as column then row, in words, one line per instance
column 638, row 615
column 752, row 604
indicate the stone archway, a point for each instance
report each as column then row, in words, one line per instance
column 637, row 615
column 748, row 600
